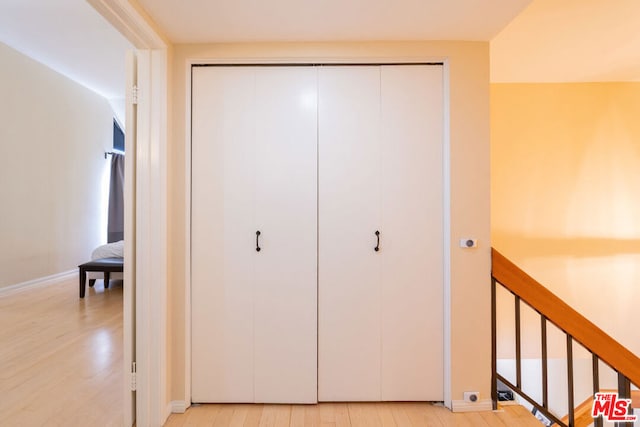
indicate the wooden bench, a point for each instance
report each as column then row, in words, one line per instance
column 104, row 265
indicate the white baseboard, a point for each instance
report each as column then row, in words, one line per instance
column 166, row 413
column 41, row 281
column 179, row 406
column 464, row 406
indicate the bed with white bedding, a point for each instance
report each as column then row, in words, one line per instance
column 110, row 250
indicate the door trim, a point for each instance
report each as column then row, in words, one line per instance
column 354, row 61
column 152, row 407
column 128, row 20
column 148, row 196
column 130, row 244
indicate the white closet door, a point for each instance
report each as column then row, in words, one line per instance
column 349, row 215
column 222, row 222
column 285, row 301
column 254, row 168
column 412, row 233
column 380, row 313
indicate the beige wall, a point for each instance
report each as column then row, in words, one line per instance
column 53, row 133
column 566, row 195
column 469, row 99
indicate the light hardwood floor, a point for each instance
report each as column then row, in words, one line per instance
column 61, row 365
column 61, row 357
column 347, row 415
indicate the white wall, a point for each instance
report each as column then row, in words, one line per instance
column 53, row 134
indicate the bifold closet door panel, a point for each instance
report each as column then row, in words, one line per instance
column 268, row 145
column 380, row 322
column 254, row 318
column 285, row 299
column 412, row 233
column 222, row 239
column 349, row 214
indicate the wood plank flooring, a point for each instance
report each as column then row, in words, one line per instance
column 61, row 358
column 61, row 365
column 347, row 415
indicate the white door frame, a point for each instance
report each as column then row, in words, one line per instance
column 151, row 239
column 146, row 197
column 446, row 245
column 130, row 241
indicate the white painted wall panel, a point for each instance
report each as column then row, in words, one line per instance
column 54, row 178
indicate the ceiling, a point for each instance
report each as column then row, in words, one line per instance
column 531, row 41
column 199, row 21
column 570, row 41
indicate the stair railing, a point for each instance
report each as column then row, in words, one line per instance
column 576, row 328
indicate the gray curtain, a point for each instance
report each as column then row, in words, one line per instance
column 115, row 224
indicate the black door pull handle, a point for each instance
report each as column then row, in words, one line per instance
column 377, row 248
column 257, row 241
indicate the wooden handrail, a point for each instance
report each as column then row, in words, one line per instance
column 566, row 318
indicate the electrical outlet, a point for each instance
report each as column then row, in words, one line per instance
column 468, row 242
column 471, row 396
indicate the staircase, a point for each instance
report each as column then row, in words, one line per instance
column 576, row 328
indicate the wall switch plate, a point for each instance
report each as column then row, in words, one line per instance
column 471, row 396
column 467, row 243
